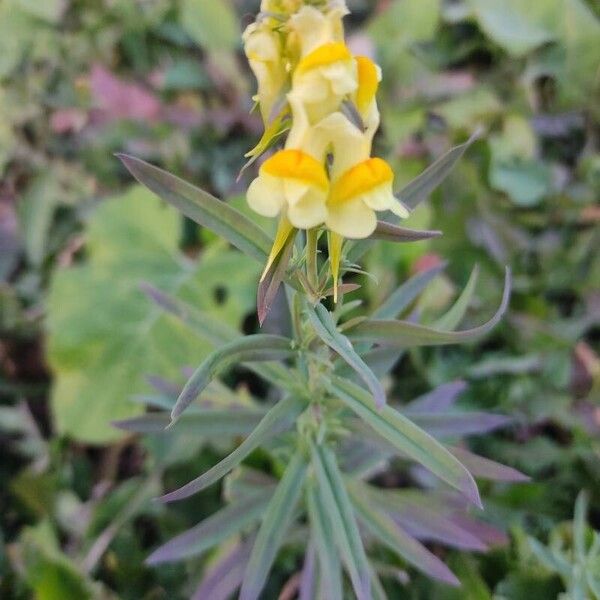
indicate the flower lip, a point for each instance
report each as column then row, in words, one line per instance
column 323, row 56
column 361, row 179
column 295, row 164
column 368, row 82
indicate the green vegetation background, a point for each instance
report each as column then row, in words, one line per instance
column 165, row 80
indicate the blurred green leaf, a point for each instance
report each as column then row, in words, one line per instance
column 213, row 25
column 105, row 337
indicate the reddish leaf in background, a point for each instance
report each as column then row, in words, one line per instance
column 119, row 99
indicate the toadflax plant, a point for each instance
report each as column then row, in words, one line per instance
column 332, row 428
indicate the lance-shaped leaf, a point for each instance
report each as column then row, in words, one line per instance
column 339, row 512
column 309, row 579
column 206, row 422
column 225, row 576
column 439, row 399
column 276, row 521
column 218, row 334
column 323, row 323
column 383, row 527
column 406, row 334
column 202, row 207
column 212, row 531
column 457, row 424
column 389, row 232
column 280, row 418
column 454, row 316
column 271, row 282
column 324, row 539
column 254, row 348
column 405, row 295
column 407, row 438
column 484, row 468
column 422, row 186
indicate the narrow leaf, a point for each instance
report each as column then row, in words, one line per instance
column 212, row 531
column 389, row 232
column 407, row 438
column 207, row 422
column 209, row 328
column 339, row 512
column 454, row 316
column 324, row 537
column 276, row 521
column 202, row 207
column 404, row 296
column 421, row 187
column 484, row 468
column 270, row 283
column 225, row 576
column 441, row 398
column 407, row 334
column 324, row 325
column 255, row 348
column 383, row 527
column 280, row 418
column 309, row 577
column 458, row 424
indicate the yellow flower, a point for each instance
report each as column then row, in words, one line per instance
column 365, row 99
column 263, row 48
column 357, row 194
column 323, row 78
column 294, row 184
column 311, row 28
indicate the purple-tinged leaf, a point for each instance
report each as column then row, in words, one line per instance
column 458, row 424
column 308, row 579
column 280, row 418
column 407, row 438
column 486, row 533
column 439, row 399
column 163, row 386
column 212, row 531
column 405, row 334
column 272, row 279
column 484, row 468
column 389, row 533
column 394, row 233
column 225, row 576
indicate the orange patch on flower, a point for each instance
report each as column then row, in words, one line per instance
column 295, row 164
column 361, row 179
column 324, row 55
column 368, row 82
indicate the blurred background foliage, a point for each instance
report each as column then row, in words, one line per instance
column 165, row 80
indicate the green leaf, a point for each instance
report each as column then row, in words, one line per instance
column 526, row 182
column 324, row 539
column 407, row 438
column 339, row 512
column 420, row 188
column 202, row 207
column 49, row 10
column 218, row 333
column 550, row 560
column 105, row 337
column 580, row 526
column 407, row 334
column 280, row 418
column 276, row 521
column 212, row 531
column 405, row 295
column 254, row 348
column 213, row 25
column 206, row 422
column 323, row 323
column 385, row 529
column 454, row 316
column 388, row 232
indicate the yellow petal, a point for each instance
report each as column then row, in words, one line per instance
column 283, row 232
column 295, row 164
column 369, row 76
column 266, row 196
column 360, row 180
column 352, row 219
column 335, row 242
column 326, row 54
